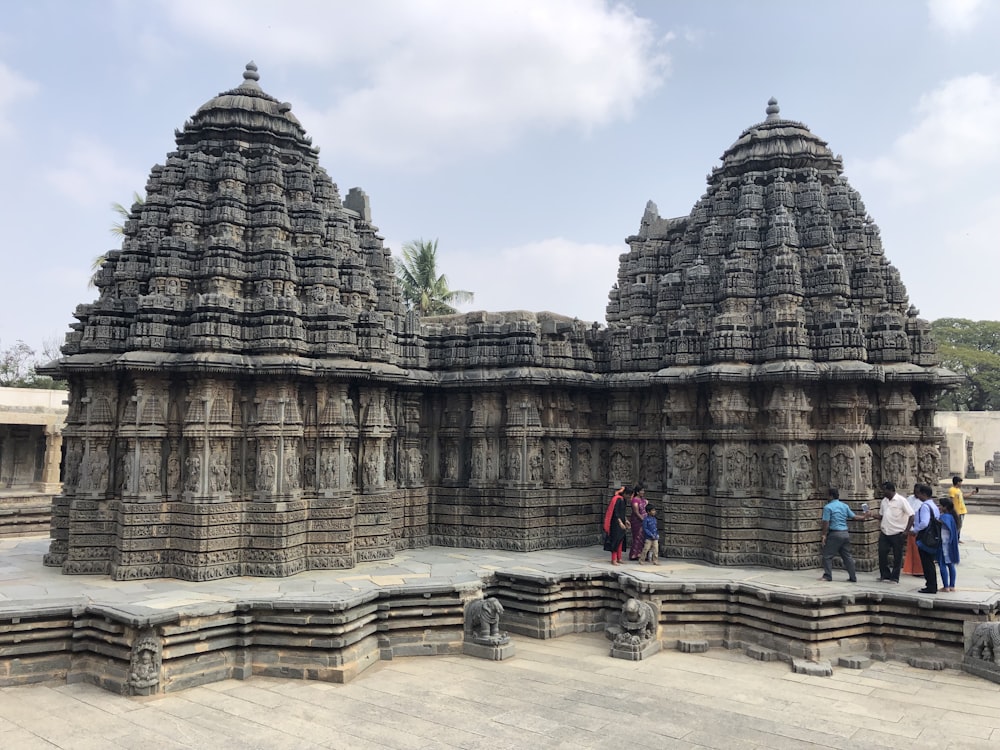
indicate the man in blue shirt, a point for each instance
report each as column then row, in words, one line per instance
column 921, row 519
column 836, row 540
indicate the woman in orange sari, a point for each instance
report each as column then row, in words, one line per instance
column 911, row 560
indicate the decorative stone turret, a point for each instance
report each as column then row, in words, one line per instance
column 249, row 396
column 774, row 293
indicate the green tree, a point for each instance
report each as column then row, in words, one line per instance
column 424, row 289
column 18, row 364
column 118, row 230
column 971, row 349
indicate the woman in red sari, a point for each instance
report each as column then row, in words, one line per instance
column 616, row 524
column 636, row 517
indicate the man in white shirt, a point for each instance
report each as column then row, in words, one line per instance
column 896, row 520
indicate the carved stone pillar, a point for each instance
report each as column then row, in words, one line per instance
column 53, row 454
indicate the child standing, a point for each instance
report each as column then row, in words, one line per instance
column 652, row 537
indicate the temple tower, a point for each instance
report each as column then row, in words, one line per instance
column 249, row 395
column 784, row 346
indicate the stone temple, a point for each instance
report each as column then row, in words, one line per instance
column 250, row 396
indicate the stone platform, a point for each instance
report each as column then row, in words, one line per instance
column 332, row 625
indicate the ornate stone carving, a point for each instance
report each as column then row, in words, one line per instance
column 633, row 636
column 144, row 666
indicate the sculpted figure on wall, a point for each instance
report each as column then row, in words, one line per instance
column 192, row 477
column 266, row 470
column 684, row 465
column 842, row 469
column 535, row 465
column 144, row 664
column 802, row 467
column 220, row 469
column 329, row 460
column 97, row 471
column 292, row 477
column 894, row 468
column 74, row 457
column 562, row 461
column 173, row 470
column 583, row 468
column 150, row 471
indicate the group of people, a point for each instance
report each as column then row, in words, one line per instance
column 929, row 530
column 630, row 522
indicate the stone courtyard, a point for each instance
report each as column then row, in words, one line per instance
column 560, row 692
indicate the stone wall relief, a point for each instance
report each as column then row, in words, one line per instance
column 309, row 468
column 865, row 461
column 413, row 467
column 174, row 467
column 842, row 469
column 536, row 463
column 584, row 468
column 894, row 468
column 329, row 467
column 899, row 408
column 220, row 466
column 622, row 465
column 72, row 463
column 193, row 467
column 149, row 470
column 144, row 665
column 267, row 465
column 651, row 466
column 789, row 409
column 802, row 470
column 738, row 467
column 927, row 465
column 680, row 407
column 730, row 407
column 291, row 478
column 450, row 461
column 373, row 464
column 94, row 474
column 774, row 468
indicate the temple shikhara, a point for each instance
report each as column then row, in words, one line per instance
column 250, row 396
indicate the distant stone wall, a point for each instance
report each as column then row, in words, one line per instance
column 959, row 427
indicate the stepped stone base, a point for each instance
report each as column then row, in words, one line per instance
column 761, row 654
column 812, row 668
column 854, row 662
column 692, row 647
column 25, row 514
column 493, row 653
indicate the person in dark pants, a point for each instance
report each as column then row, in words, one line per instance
column 835, row 539
column 925, row 512
column 896, row 520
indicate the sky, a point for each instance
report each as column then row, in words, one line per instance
column 526, row 136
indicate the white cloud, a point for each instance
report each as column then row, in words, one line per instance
column 431, row 80
column 957, row 133
column 93, row 175
column 13, row 87
column 955, row 16
column 556, row 274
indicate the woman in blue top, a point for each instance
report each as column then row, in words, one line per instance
column 948, row 555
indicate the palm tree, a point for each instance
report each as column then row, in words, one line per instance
column 118, row 230
column 423, row 289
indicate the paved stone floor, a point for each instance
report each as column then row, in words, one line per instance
column 561, row 693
